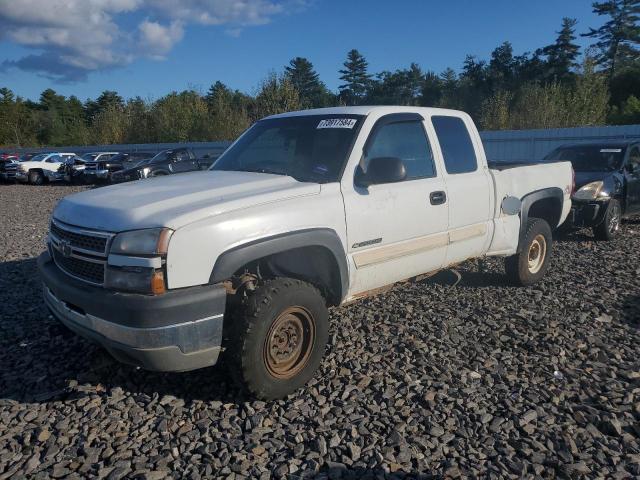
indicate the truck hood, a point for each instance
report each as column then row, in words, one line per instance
column 175, row 200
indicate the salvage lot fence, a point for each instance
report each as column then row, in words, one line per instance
column 501, row 146
column 526, row 145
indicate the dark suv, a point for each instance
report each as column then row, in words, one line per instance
column 607, row 184
column 177, row 160
column 103, row 168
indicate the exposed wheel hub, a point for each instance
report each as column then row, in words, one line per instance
column 289, row 342
column 537, row 253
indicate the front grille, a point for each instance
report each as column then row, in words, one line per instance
column 91, row 166
column 82, row 269
column 80, row 240
column 78, row 252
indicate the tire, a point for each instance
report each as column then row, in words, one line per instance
column 608, row 228
column 531, row 264
column 266, row 320
column 36, row 177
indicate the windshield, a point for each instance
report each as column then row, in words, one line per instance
column 160, row 157
column 36, row 158
column 589, row 158
column 87, row 157
column 310, row 148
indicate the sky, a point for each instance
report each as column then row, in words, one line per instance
column 148, row 48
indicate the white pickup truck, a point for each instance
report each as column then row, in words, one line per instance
column 306, row 210
column 44, row 167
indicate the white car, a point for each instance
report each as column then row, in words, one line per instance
column 44, row 167
column 306, row 210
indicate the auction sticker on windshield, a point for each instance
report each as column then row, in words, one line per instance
column 337, row 123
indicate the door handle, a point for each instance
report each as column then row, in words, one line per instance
column 438, row 198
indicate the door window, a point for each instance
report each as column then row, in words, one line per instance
column 406, row 141
column 634, row 160
column 455, row 143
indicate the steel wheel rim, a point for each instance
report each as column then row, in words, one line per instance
column 614, row 218
column 537, row 253
column 289, row 343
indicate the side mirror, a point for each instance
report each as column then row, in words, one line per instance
column 382, row 170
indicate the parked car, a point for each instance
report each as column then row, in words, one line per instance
column 72, row 170
column 8, row 166
column 102, row 169
column 177, row 160
column 44, row 167
column 607, row 184
column 306, row 210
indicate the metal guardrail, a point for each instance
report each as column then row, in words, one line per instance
column 523, row 145
column 199, row 148
column 503, row 145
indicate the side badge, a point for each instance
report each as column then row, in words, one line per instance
column 367, row 243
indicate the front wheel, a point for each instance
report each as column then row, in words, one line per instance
column 531, row 264
column 278, row 338
column 36, row 177
column 608, row 228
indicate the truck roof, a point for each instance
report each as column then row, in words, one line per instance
column 367, row 109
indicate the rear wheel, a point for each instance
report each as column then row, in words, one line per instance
column 278, row 337
column 610, row 225
column 531, row 264
column 36, row 177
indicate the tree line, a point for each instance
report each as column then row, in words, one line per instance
column 557, row 85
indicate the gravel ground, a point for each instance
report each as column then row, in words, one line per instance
column 431, row 379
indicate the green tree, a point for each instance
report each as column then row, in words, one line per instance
column 628, row 113
column 562, row 55
column 276, row 95
column 313, row 93
column 618, row 37
column 108, row 98
column 355, row 77
column 228, row 112
column 402, row 87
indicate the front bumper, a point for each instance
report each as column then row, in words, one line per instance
column 97, row 174
column 54, row 176
column 22, row 176
column 178, row 331
column 587, row 213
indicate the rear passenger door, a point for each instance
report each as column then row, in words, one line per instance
column 469, row 188
column 397, row 230
column 632, row 176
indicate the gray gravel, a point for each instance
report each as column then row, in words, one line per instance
column 428, row 380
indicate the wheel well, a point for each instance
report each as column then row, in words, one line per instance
column 313, row 264
column 548, row 209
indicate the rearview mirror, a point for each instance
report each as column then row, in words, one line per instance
column 382, row 170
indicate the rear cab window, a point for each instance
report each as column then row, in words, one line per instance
column 455, row 142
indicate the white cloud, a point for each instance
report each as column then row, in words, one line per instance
column 157, row 40
column 72, row 38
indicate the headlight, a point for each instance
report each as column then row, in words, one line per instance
column 135, row 279
column 144, row 172
column 153, row 241
column 149, row 276
column 591, row 191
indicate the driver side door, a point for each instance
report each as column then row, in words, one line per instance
column 632, row 179
column 397, row 230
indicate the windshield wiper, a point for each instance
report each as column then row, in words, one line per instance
column 265, row 170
